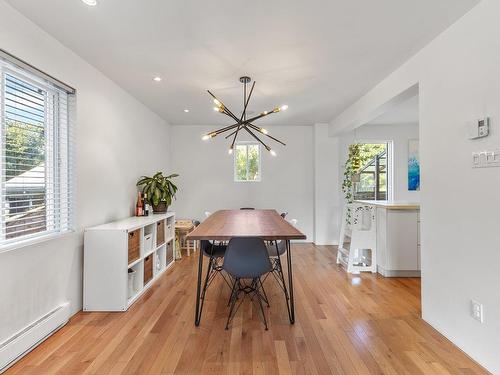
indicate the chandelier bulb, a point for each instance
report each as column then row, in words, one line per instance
column 284, row 107
column 272, row 152
column 206, row 137
column 230, row 151
column 217, row 103
column 263, row 131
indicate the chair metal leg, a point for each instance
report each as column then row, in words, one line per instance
column 266, row 300
column 234, row 294
column 259, row 298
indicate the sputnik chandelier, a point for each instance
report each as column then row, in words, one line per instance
column 242, row 123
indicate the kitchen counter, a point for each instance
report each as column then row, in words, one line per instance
column 392, row 205
column 398, row 237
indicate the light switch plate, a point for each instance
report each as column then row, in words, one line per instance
column 486, row 159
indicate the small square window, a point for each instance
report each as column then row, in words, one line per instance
column 247, row 162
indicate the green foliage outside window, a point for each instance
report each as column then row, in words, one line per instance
column 247, row 160
column 25, row 147
column 359, row 154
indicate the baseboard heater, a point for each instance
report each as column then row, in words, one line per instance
column 22, row 342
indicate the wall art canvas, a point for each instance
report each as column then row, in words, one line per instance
column 413, row 165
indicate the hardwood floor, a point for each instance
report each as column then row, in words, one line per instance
column 345, row 324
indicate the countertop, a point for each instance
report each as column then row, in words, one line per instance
column 132, row 222
column 392, row 205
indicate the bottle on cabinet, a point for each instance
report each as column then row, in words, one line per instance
column 146, row 205
column 139, row 206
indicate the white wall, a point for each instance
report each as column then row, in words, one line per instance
column 113, row 148
column 327, row 200
column 459, row 80
column 206, row 180
column 399, row 135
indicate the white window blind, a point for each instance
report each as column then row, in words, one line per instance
column 36, row 151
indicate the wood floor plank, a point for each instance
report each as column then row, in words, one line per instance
column 345, row 324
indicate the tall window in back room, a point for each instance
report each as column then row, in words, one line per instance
column 247, row 162
column 372, row 179
column 36, row 145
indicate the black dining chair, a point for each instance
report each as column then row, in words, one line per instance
column 215, row 254
column 246, row 258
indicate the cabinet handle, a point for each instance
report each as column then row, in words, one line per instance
column 131, row 234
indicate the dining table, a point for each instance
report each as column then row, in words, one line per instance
column 266, row 224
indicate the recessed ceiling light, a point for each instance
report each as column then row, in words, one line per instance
column 157, row 79
column 91, row 3
column 186, row 110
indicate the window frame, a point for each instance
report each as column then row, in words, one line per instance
column 247, row 143
column 390, row 162
column 54, row 164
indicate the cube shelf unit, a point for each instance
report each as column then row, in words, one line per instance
column 142, row 246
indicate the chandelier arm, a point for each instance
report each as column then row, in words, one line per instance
column 246, row 101
column 225, row 109
column 257, row 138
column 230, row 134
column 223, row 130
column 228, row 113
column 267, row 135
column 235, row 135
column 263, row 114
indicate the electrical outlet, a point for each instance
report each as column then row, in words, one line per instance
column 476, row 310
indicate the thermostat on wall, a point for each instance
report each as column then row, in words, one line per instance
column 479, row 128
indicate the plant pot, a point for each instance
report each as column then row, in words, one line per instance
column 161, row 208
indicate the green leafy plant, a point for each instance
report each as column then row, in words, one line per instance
column 158, row 188
column 351, row 168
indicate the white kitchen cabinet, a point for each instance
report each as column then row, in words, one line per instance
column 398, row 238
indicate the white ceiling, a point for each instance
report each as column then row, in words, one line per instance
column 404, row 113
column 318, row 56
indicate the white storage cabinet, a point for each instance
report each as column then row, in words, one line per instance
column 145, row 245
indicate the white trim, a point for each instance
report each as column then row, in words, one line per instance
column 23, row 341
column 34, row 240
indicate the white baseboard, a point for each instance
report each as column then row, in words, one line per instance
column 19, row 344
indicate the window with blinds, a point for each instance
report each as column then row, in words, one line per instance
column 36, row 168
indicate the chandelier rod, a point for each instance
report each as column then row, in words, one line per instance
column 267, row 135
column 224, row 108
column 246, row 101
column 257, row 138
column 244, row 113
column 223, row 130
column 259, row 130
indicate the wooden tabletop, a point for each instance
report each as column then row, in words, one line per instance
column 226, row 224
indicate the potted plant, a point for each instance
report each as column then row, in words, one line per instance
column 159, row 190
